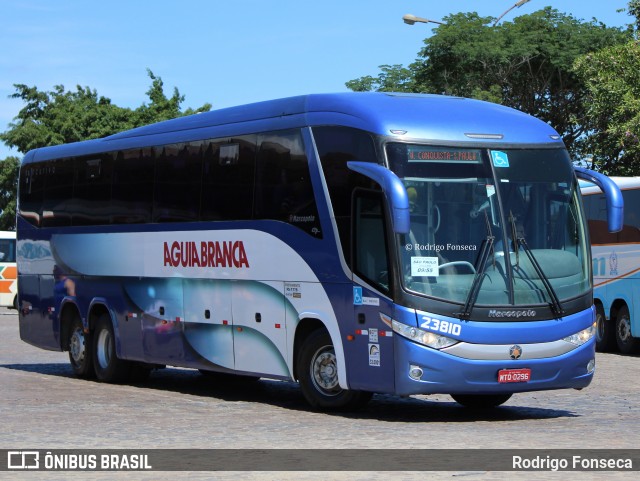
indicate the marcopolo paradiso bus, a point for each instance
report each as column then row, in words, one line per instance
column 356, row 243
column 616, row 268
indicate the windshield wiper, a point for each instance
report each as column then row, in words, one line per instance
column 519, row 240
column 483, row 256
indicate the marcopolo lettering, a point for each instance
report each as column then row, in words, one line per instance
column 512, row 313
column 205, row 254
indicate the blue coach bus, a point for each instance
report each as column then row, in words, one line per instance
column 358, row 243
column 616, row 267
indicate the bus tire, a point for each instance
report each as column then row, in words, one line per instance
column 107, row 366
column 627, row 344
column 481, row 401
column 605, row 332
column 80, row 349
column 317, row 373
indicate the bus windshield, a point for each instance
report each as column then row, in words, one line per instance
column 491, row 227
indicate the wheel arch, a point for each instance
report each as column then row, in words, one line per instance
column 305, row 327
column 69, row 311
column 616, row 305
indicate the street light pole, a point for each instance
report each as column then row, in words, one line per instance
column 518, row 4
column 412, row 19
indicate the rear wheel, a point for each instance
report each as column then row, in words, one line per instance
column 317, row 372
column 79, row 344
column 107, row 366
column 481, row 401
column 605, row 332
column 627, row 344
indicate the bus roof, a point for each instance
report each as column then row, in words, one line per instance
column 625, row 183
column 434, row 118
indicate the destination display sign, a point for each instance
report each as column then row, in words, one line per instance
column 426, row 153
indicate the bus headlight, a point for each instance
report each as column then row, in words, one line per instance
column 426, row 338
column 579, row 338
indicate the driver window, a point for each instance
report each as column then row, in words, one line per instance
column 370, row 244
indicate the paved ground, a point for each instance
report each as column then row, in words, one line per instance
column 42, row 406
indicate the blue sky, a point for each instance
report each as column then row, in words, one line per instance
column 225, row 52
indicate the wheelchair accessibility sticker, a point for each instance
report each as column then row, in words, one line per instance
column 500, row 159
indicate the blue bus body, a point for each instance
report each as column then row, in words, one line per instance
column 427, row 273
column 616, row 268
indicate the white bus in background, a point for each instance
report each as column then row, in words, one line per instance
column 8, row 270
column 616, row 268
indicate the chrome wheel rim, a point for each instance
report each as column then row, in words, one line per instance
column 324, row 371
column 77, row 346
column 624, row 329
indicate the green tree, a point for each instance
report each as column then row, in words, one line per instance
column 612, row 77
column 526, row 64
column 61, row 116
column 8, row 189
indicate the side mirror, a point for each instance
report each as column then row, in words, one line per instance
column 615, row 203
column 393, row 189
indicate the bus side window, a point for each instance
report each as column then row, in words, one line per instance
column 370, row 243
column 177, row 183
column 631, row 230
column 91, row 203
column 336, row 146
column 227, row 178
column 56, row 200
column 132, row 187
column 31, row 191
column 283, row 188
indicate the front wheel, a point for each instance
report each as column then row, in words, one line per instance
column 627, row 344
column 107, row 366
column 481, row 401
column 317, row 372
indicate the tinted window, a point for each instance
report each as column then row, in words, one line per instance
column 133, row 175
column 7, row 250
column 58, row 188
column 31, row 192
column 336, row 146
column 178, row 181
column 371, row 260
column 596, row 210
column 91, row 204
column 283, row 184
column 227, row 178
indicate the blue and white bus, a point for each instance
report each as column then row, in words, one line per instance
column 616, row 268
column 358, row 243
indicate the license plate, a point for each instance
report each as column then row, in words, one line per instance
column 514, row 375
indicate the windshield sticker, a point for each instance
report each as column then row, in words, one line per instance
column 424, row 267
column 500, row 159
column 491, row 190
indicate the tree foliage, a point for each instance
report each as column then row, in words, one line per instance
column 612, row 78
column 8, row 187
column 61, row 116
column 526, row 64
